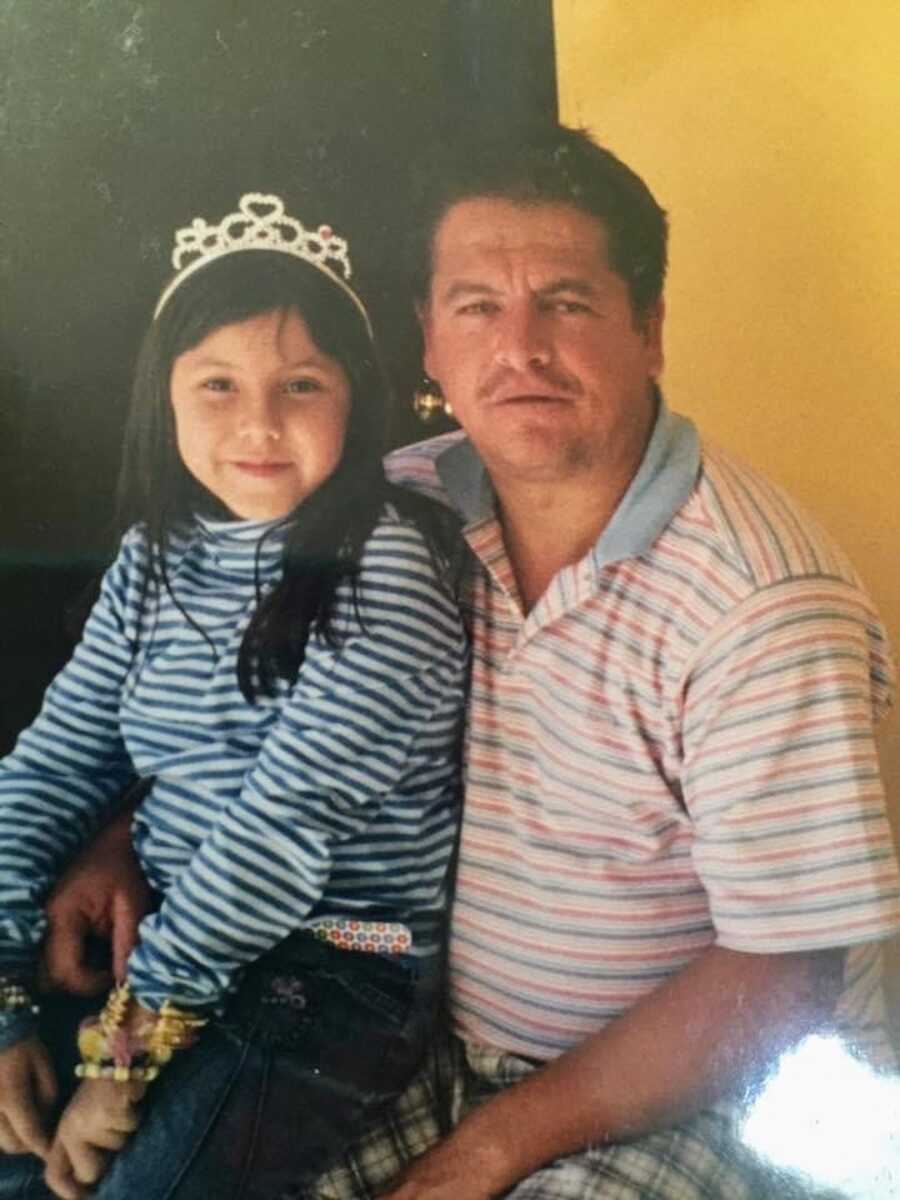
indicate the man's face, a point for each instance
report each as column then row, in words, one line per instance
column 534, row 342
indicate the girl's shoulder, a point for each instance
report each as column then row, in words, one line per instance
column 395, row 535
column 134, row 551
column 137, row 546
column 131, row 574
column 401, row 559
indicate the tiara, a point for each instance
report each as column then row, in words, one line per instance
column 260, row 224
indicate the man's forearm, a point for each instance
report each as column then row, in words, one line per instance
column 115, row 836
column 709, row 1032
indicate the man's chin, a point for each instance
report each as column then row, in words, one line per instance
column 536, row 460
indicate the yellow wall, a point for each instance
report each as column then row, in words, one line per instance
column 769, row 131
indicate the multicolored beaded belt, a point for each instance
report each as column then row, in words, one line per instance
column 372, row 937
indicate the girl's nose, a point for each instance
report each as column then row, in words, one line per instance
column 260, row 422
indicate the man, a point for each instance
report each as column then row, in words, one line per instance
column 674, row 860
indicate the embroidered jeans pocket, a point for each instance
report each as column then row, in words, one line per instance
column 351, row 1015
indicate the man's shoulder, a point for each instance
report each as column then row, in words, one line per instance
column 767, row 535
column 416, row 466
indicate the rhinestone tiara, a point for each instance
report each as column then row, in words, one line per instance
column 260, row 224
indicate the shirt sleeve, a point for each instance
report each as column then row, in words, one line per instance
column 781, row 775
column 378, row 715
column 70, row 766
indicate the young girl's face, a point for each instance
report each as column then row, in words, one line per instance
column 260, row 413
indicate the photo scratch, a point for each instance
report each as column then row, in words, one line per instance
column 132, row 36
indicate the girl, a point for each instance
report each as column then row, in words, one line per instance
column 275, row 651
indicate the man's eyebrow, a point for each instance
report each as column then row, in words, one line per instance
column 569, row 283
column 572, row 284
column 467, row 287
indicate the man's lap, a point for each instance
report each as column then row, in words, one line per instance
column 699, row 1160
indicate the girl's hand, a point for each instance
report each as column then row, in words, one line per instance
column 27, row 1094
column 98, row 1121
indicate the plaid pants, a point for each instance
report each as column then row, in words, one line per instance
column 699, row 1160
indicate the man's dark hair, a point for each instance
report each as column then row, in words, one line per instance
column 549, row 164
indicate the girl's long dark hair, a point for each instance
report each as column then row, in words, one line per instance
column 326, row 533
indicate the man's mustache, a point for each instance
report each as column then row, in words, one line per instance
column 534, row 382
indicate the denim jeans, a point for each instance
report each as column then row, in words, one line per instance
column 316, row 1040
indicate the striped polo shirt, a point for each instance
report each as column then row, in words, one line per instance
column 338, row 796
column 673, row 748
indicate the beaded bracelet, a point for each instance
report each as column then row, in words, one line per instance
column 109, row 1051
column 14, row 997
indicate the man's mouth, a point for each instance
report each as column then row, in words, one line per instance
column 524, row 398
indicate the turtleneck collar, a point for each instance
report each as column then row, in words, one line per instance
column 240, row 546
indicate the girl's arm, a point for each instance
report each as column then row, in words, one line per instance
column 27, row 1096
column 68, row 769
column 375, row 720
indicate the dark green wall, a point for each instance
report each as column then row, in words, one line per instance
column 120, row 120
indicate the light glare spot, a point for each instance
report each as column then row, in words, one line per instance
column 828, row 1115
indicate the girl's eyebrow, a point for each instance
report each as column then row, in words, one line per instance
column 210, row 362
column 204, row 363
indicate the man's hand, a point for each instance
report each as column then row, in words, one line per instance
column 103, row 893
column 27, row 1093
column 97, row 1122
column 451, row 1170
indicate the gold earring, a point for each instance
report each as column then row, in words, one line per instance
column 428, row 400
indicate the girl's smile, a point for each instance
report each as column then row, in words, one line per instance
column 260, row 414
column 264, row 470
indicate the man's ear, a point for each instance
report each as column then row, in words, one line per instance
column 652, row 326
column 423, row 316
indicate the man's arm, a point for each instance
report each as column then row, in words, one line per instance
column 711, row 1031
column 102, row 894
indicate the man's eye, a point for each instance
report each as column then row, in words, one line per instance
column 477, row 308
column 570, row 306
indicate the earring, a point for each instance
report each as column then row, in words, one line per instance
column 428, row 400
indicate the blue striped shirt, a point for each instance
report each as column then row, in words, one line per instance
column 337, row 796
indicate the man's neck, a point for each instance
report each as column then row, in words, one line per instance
column 548, row 527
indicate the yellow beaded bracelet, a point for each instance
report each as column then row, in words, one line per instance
column 108, row 1051
column 93, row 1070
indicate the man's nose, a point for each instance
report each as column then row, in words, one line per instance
column 523, row 340
column 260, row 420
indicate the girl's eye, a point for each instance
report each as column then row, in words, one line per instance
column 299, row 387
column 217, row 383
